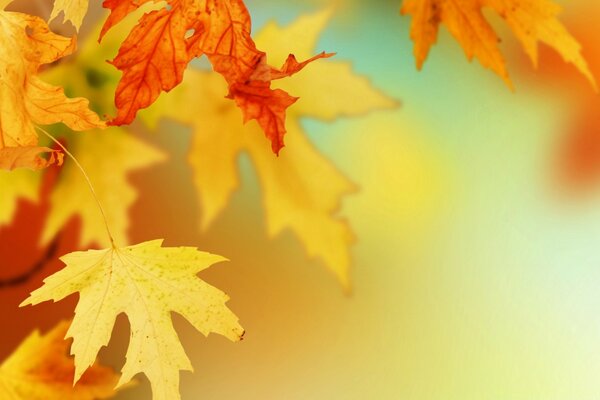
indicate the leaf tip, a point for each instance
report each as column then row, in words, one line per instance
column 26, row 302
column 277, row 146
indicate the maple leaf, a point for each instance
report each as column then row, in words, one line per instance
column 40, row 369
column 146, row 282
column 73, row 10
column 26, row 44
column 302, row 189
column 156, row 53
column 532, row 21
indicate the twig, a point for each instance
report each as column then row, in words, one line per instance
column 87, row 178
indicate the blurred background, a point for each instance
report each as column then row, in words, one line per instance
column 476, row 264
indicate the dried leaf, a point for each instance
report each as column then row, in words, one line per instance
column 25, row 99
column 156, row 53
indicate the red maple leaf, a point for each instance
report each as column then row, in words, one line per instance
column 156, row 53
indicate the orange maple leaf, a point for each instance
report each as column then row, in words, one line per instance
column 26, row 43
column 532, row 21
column 41, row 369
column 156, row 53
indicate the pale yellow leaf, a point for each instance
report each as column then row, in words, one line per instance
column 146, row 282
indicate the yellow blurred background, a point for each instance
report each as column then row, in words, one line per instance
column 475, row 276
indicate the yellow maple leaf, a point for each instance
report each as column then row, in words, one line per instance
column 26, row 43
column 147, row 282
column 40, row 369
column 532, row 21
column 302, row 189
column 74, row 11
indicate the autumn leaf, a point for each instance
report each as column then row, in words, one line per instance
column 40, row 369
column 73, row 10
column 532, row 21
column 147, row 282
column 302, row 190
column 26, row 43
column 156, row 53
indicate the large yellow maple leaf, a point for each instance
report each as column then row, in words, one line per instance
column 39, row 369
column 532, row 21
column 147, row 282
column 302, row 190
column 26, row 43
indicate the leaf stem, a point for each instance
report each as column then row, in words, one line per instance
column 89, row 182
